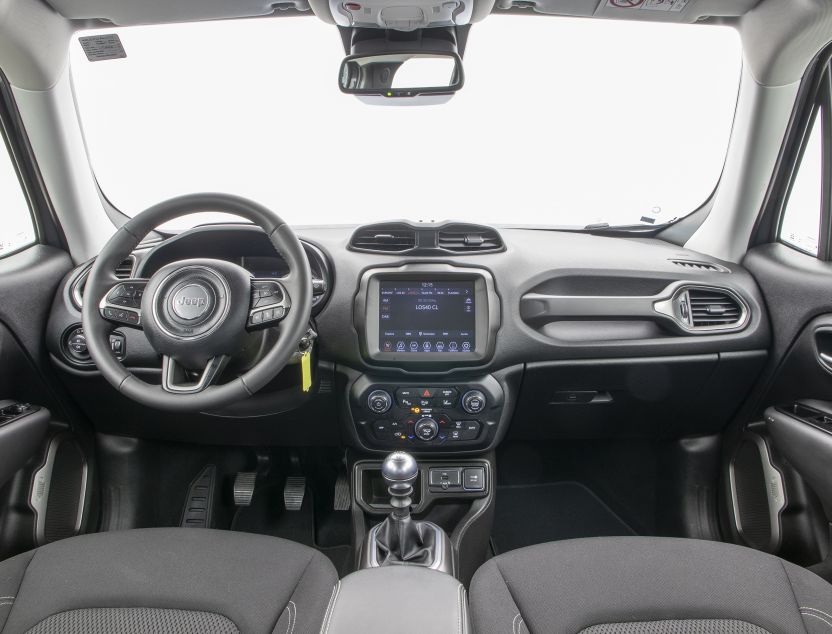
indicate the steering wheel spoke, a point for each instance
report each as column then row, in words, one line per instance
column 269, row 303
column 122, row 303
column 178, row 380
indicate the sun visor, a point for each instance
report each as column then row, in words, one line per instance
column 686, row 11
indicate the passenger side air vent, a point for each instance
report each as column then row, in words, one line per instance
column 713, row 308
column 700, row 266
column 462, row 238
column 384, row 238
column 125, row 269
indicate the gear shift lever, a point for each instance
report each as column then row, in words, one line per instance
column 399, row 471
column 400, row 539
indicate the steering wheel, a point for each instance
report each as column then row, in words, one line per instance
column 197, row 314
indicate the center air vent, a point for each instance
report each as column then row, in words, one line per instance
column 463, row 238
column 384, row 238
column 713, row 308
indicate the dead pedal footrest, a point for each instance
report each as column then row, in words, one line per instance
column 197, row 511
column 293, row 492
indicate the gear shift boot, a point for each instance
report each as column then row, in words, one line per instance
column 400, row 539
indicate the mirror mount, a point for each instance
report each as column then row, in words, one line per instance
column 396, row 64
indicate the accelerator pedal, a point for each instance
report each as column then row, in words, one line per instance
column 293, row 492
column 200, row 501
column 343, row 500
column 244, row 483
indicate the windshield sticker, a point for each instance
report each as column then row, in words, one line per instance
column 649, row 5
column 102, row 47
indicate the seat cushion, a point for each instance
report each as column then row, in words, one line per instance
column 641, row 585
column 166, row 580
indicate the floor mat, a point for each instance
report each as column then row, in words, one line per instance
column 268, row 516
column 538, row 513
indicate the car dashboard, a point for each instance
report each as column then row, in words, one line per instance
column 448, row 337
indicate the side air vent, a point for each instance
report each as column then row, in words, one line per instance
column 713, row 308
column 700, row 266
column 125, row 269
column 461, row 238
column 386, row 238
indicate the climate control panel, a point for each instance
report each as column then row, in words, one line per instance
column 426, row 416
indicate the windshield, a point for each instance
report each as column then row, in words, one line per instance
column 561, row 122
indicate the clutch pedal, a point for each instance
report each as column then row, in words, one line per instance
column 293, row 492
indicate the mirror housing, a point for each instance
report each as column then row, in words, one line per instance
column 397, row 65
column 403, row 74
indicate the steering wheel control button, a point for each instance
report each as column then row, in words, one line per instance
column 269, row 303
column 473, row 402
column 426, row 429
column 379, row 401
column 191, row 302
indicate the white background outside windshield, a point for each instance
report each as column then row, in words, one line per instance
column 561, row 122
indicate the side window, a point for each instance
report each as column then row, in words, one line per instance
column 801, row 221
column 17, row 230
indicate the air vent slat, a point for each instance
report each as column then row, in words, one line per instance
column 461, row 238
column 384, row 238
column 700, row 266
column 713, row 308
column 125, row 269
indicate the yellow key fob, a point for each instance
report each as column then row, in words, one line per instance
column 306, row 370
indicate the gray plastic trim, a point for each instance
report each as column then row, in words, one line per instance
column 775, row 491
column 41, row 483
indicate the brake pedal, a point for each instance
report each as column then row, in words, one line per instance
column 200, row 501
column 343, row 500
column 244, row 483
column 293, row 492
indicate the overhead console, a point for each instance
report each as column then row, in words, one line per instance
column 419, row 314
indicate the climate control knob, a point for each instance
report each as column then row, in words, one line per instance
column 473, row 402
column 379, row 401
column 426, row 429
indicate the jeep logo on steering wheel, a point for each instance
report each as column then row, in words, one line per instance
column 191, row 302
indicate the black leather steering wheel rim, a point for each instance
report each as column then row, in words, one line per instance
column 298, row 285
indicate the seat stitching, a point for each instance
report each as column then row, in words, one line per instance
column 461, row 608
column 331, row 607
column 508, row 589
column 794, row 596
column 820, row 618
column 293, row 611
column 515, row 624
column 802, row 607
column 297, row 585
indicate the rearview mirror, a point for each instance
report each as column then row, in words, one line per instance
column 402, row 74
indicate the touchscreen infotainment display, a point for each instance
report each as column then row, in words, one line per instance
column 425, row 316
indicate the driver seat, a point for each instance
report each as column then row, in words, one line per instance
column 166, row 581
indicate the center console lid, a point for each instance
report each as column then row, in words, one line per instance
column 402, row 599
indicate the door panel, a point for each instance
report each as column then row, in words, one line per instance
column 28, row 281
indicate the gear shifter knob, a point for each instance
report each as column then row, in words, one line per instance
column 399, row 470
